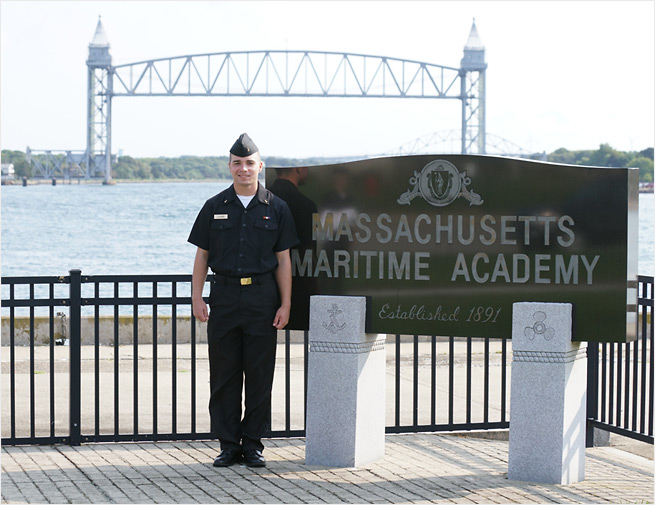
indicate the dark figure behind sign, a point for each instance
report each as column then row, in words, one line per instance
column 243, row 234
column 286, row 186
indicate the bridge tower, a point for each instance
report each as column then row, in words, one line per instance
column 473, row 84
column 99, row 95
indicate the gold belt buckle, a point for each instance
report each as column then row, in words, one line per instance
column 246, row 281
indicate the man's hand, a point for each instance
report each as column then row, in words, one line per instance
column 283, row 277
column 281, row 317
column 200, row 310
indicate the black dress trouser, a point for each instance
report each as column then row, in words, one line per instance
column 242, row 344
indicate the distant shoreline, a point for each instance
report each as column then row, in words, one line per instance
column 76, row 182
column 72, row 182
column 156, row 181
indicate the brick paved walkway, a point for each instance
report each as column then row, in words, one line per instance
column 417, row 468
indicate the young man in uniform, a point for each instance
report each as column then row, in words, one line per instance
column 243, row 234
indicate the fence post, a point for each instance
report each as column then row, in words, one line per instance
column 75, row 356
column 592, row 391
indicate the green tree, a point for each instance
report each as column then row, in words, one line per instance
column 606, row 156
column 18, row 159
column 563, row 156
column 645, row 166
column 127, row 167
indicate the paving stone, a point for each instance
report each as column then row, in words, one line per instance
column 424, row 468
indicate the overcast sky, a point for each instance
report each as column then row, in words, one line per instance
column 560, row 73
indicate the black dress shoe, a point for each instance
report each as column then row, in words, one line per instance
column 227, row 457
column 254, row 458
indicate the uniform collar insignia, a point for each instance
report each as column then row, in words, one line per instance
column 263, row 195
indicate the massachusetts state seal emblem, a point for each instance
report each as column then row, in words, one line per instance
column 440, row 183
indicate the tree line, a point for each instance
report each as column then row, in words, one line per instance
column 215, row 167
column 606, row 156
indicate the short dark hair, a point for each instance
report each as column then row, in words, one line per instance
column 283, row 171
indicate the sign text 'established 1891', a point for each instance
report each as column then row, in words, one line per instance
column 443, row 245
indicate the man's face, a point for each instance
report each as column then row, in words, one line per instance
column 303, row 173
column 245, row 171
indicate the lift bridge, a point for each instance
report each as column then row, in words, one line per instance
column 265, row 74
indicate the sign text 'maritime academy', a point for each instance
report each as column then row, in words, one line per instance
column 448, row 229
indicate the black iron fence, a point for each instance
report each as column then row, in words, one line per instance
column 118, row 358
column 620, row 378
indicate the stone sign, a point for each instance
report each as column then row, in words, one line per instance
column 445, row 244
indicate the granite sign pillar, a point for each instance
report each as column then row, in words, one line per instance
column 548, row 396
column 345, row 385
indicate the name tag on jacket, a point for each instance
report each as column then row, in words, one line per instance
column 220, row 216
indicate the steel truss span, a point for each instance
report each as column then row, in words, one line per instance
column 449, row 142
column 270, row 73
column 286, row 73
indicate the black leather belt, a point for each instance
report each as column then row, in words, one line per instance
column 244, row 281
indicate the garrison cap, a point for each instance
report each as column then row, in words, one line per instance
column 244, row 146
